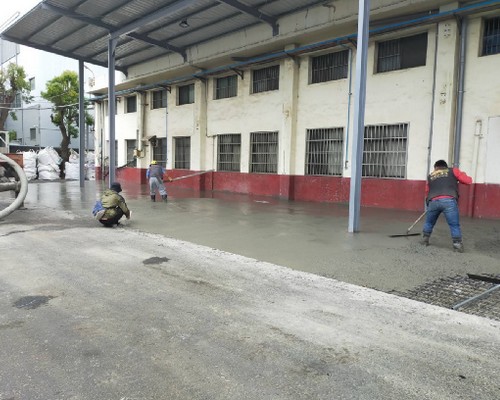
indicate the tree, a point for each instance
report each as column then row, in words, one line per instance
column 63, row 92
column 12, row 83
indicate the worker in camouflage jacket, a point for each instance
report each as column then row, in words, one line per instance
column 114, row 206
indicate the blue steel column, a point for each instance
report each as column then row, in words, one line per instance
column 111, row 108
column 359, row 116
column 81, row 114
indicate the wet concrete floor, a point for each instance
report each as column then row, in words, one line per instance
column 305, row 236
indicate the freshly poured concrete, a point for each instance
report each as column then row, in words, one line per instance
column 309, row 237
column 88, row 312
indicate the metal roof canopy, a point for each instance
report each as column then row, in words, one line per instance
column 143, row 29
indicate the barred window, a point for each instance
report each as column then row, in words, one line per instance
column 264, row 152
column 407, row 52
column 266, row 79
column 159, row 99
column 384, row 154
column 182, row 158
column 491, row 36
column 226, row 87
column 131, row 146
column 131, row 104
column 229, row 152
column 160, row 151
column 330, row 67
column 186, row 94
column 324, row 151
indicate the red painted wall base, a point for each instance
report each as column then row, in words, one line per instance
column 477, row 200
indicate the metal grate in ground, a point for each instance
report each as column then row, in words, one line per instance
column 480, row 295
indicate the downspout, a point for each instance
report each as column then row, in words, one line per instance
column 434, row 78
column 460, row 98
column 478, row 135
column 349, row 97
column 166, row 128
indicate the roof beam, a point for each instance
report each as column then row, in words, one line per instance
column 255, row 13
column 114, row 33
column 177, row 7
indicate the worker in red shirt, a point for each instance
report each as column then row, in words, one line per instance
column 442, row 197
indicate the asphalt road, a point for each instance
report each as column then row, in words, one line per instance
column 88, row 312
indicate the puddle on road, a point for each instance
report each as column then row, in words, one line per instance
column 32, row 302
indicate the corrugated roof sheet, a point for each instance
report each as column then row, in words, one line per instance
column 80, row 29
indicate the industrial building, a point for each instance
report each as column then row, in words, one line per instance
column 260, row 94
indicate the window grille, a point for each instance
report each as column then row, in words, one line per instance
column 159, row 99
column 131, row 146
column 384, row 154
column 160, row 151
column 229, row 152
column 131, row 104
column 330, row 67
column 491, row 36
column 182, row 152
column 186, row 94
column 324, row 151
column 226, row 87
column 264, row 152
column 266, row 79
column 407, row 52
column 33, row 134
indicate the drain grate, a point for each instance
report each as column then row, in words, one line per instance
column 471, row 294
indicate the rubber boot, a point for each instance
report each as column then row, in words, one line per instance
column 458, row 246
column 425, row 239
column 153, row 197
column 164, row 198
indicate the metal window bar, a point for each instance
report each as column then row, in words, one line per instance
column 131, row 145
column 324, row 151
column 226, row 87
column 131, row 104
column 182, row 153
column 159, row 152
column 330, row 67
column 186, row 94
column 491, row 38
column 266, row 79
column 159, row 99
column 264, row 152
column 229, row 152
column 389, row 55
column 385, row 149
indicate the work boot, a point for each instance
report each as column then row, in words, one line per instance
column 164, row 198
column 153, row 197
column 458, row 246
column 425, row 239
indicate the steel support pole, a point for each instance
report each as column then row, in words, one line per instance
column 81, row 124
column 359, row 116
column 111, row 109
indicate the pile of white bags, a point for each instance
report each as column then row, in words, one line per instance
column 72, row 167
column 48, row 164
column 90, row 166
column 29, row 164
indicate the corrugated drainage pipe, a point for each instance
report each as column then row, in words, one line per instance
column 24, row 187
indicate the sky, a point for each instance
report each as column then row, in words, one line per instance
column 11, row 7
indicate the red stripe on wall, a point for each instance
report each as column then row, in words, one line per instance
column 477, row 200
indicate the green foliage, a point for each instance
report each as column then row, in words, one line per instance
column 12, row 135
column 12, row 83
column 63, row 92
